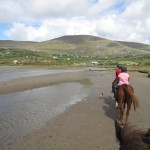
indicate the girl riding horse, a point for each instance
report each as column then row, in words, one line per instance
column 125, row 95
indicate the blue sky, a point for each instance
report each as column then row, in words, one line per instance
column 3, row 28
column 40, row 20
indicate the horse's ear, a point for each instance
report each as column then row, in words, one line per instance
column 118, row 131
column 146, row 138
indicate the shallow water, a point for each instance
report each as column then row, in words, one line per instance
column 23, row 112
column 6, row 76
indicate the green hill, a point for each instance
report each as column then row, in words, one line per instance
column 84, row 45
column 74, row 50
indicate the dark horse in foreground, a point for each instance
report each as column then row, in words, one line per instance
column 125, row 96
column 131, row 138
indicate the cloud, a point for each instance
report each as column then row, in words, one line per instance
column 138, row 10
column 39, row 20
column 9, row 11
column 116, row 28
column 51, row 29
column 58, row 8
column 100, row 7
column 38, row 10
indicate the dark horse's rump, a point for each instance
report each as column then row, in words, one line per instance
column 131, row 138
column 126, row 96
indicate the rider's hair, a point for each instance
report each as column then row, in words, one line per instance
column 119, row 65
column 123, row 69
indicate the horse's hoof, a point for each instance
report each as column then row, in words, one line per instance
column 120, row 123
column 125, row 123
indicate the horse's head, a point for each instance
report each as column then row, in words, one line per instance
column 131, row 138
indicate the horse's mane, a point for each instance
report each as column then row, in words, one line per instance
column 132, row 138
column 131, row 134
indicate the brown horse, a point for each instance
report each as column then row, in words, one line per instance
column 131, row 138
column 125, row 96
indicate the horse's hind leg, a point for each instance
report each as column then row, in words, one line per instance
column 127, row 112
column 121, row 112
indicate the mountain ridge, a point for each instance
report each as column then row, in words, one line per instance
column 81, row 45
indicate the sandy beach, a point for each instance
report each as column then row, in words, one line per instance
column 89, row 124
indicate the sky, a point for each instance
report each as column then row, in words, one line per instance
column 41, row 20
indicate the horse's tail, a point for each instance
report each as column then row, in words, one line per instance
column 131, row 96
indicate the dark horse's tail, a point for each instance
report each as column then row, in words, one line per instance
column 131, row 96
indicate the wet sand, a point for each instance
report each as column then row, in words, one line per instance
column 26, row 83
column 89, row 124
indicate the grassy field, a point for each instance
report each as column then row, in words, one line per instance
column 141, row 69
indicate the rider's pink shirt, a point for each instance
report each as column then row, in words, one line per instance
column 123, row 78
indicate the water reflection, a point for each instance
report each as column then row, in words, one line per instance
column 21, row 113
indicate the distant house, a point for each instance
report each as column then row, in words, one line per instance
column 55, row 57
column 16, row 62
column 95, row 62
